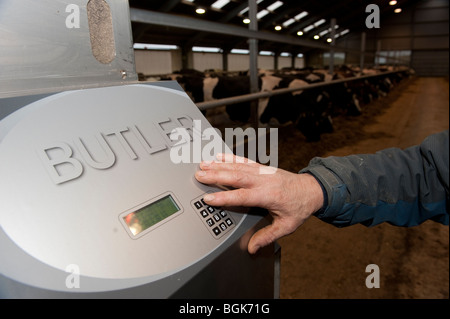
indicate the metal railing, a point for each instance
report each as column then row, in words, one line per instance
column 266, row 94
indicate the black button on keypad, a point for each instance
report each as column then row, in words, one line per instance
column 216, row 231
column 209, row 222
column 198, row 205
column 216, row 220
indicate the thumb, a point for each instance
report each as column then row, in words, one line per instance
column 264, row 237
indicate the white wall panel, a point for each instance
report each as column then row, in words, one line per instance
column 238, row 62
column 207, row 61
column 266, row 62
column 284, row 62
column 151, row 62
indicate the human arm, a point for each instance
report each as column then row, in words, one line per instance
column 290, row 198
column 401, row 187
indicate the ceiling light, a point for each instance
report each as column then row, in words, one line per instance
column 246, row 21
column 288, row 22
column 200, row 11
column 262, row 14
column 398, row 10
column 300, row 33
column 301, row 15
column 316, row 37
column 246, row 9
column 308, row 28
column 243, row 11
column 219, row 4
column 278, row 28
column 392, row 3
column 319, row 23
column 329, row 40
column 275, row 6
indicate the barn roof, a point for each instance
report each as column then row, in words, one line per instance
column 312, row 18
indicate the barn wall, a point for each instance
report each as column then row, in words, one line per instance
column 353, row 42
column 266, row 62
column 151, row 62
column 207, row 61
column 417, row 37
column 423, row 31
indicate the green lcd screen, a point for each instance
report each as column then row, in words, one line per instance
column 151, row 214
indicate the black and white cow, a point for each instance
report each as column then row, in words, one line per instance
column 310, row 110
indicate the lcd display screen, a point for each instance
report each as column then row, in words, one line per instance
column 150, row 215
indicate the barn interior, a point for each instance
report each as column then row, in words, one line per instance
column 181, row 39
column 327, row 78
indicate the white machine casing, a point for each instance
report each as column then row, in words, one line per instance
column 97, row 191
column 74, row 165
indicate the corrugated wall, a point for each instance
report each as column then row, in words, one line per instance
column 424, row 30
column 430, row 41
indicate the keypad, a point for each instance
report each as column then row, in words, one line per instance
column 218, row 221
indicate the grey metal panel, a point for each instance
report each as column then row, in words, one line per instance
column 40, row 54
column 393, row 44
column 432, row 4
column 10, row 105
column 399, row 30
column 429, row 15
column 432, row 28
column 430, row 63
column 428, row 43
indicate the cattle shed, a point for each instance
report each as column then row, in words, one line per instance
column 290, row 34
column 341, row 39
column 309, row 79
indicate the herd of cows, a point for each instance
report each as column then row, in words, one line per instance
column 310, row 110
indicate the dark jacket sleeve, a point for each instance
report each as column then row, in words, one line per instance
column 401, row 187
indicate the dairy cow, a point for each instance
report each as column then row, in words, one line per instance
column 309, row 110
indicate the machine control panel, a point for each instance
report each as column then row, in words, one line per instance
column 215, row 219
column 95, row 175
column 142, row 219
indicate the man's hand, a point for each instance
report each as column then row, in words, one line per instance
column 290, row 198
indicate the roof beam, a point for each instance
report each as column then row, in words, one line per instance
column 169, row 5
column 170, row 20
column 230, row 15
